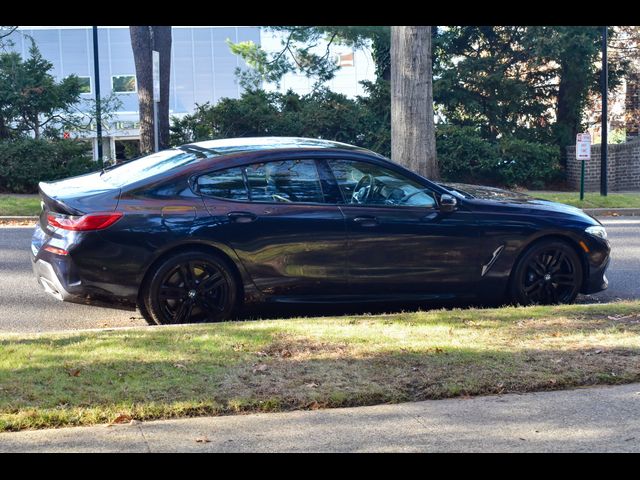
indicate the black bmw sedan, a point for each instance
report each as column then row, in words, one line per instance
column 193, row 233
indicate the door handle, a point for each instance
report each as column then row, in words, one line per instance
column 242, row 217
column 366, row 221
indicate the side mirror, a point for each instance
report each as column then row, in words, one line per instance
column 448, row 203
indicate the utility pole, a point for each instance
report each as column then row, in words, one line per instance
column 96, row 81
column 603, row 141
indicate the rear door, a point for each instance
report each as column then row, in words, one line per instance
column 283, row 227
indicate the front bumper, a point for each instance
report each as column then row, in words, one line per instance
column 597, row 280
column 598, row 260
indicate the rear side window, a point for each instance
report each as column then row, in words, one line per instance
column 288, row 181
column 227, row 183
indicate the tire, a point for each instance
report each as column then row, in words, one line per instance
column 191, row 287
column 549, row 273
column 145, row 313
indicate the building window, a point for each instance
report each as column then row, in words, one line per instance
column 85, row 84
column 345, row 59
column 123, row 83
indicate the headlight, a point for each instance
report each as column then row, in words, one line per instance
column 597, row 231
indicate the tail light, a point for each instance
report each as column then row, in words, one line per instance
column 90, row 221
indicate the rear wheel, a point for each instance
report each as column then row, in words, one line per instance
column 191, row 287
column 550, row 272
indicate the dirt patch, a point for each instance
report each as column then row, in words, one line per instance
column 289, row 346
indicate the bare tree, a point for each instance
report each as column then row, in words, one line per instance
column 145, row 39
column 413, row 142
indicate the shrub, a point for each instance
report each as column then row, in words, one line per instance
column 527, row 164
column 26, row 161
column 464, row 156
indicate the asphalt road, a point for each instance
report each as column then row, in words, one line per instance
column 24, row 307
column 602, row 419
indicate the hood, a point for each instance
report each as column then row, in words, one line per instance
column 513, row 199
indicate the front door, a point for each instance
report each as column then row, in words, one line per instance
column 398, row 240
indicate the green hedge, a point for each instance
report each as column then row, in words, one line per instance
column 464, row 156
column 25, row 162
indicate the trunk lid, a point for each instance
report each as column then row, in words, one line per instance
column 77, row 196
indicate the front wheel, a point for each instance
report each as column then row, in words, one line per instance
column 550, row 272
column 191, row 287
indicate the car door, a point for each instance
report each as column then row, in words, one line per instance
column 398, row 240
column 274, row 215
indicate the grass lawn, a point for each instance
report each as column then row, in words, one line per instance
column 592, row 200
column 83, row 378
column 19, row 205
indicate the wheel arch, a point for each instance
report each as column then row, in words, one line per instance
column 571, row 242
column 226, row 254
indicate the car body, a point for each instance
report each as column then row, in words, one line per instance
column 300, row 220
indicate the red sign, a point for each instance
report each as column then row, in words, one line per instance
column 66, row 135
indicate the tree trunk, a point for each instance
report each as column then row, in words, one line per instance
column 145, row 39
column 413, row 142
column 632, row 104
column 568, row 110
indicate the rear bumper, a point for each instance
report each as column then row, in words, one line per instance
column 50, row 282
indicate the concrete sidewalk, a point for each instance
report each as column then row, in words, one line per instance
column 600, row 419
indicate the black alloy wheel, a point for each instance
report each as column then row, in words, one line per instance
column 550, row 272
column 192, row 287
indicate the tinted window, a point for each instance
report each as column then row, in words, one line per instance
column 227, row 183
column 363, row 183
column 284, row 181
column 150, row 165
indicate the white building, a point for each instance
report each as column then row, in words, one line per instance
column 202, row 68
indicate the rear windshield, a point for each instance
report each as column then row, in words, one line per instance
column 149, row 166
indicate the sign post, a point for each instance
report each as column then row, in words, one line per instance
column 583, row 153
column 156, row 96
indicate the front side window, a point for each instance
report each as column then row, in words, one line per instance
column 363, row 183
column 284, row 181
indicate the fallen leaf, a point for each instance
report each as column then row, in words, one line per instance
column 179, row 365
column 312, row 385
column 238, row 347
column 120, row 419
column 74, row 372
column 285, row 354
column 203, row 440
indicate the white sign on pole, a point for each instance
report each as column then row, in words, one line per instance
column 583, row 146
column 156, row 76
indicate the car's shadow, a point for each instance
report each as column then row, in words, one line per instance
column 268, row 311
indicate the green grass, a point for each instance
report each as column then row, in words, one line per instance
column 84, row 378
column 592, row 200
column 27, row 205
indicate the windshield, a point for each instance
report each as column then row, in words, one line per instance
column 148, row 166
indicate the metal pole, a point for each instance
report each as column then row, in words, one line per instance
column 582, row 180
column 603, row 141
column 96, row 81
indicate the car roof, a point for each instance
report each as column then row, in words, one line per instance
column 229, row 146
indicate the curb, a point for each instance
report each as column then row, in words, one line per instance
column 612, row 212
column 19, row 218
